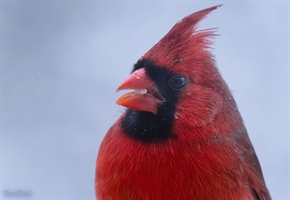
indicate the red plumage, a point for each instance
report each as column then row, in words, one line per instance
column 206, row 155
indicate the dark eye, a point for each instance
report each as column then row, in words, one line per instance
column 177, row 82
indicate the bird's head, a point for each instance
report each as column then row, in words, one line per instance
column 175, row 84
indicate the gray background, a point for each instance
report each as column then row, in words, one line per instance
column 62, row 62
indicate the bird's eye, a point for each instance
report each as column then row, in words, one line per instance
column 177, row 82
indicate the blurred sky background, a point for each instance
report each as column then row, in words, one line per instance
column 62, row 61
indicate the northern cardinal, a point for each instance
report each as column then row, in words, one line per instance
column 181, row 136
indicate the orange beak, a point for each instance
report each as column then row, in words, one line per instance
column 145, row 95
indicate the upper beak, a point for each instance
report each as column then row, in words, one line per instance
column 145, row 95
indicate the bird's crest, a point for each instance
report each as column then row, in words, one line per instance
column 183, row 43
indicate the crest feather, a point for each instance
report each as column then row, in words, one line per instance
column 182, row 41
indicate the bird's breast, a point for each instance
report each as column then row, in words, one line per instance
column 135, row 170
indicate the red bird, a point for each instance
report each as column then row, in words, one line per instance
column 182, row 136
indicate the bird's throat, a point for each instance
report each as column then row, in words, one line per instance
column 147, row 127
